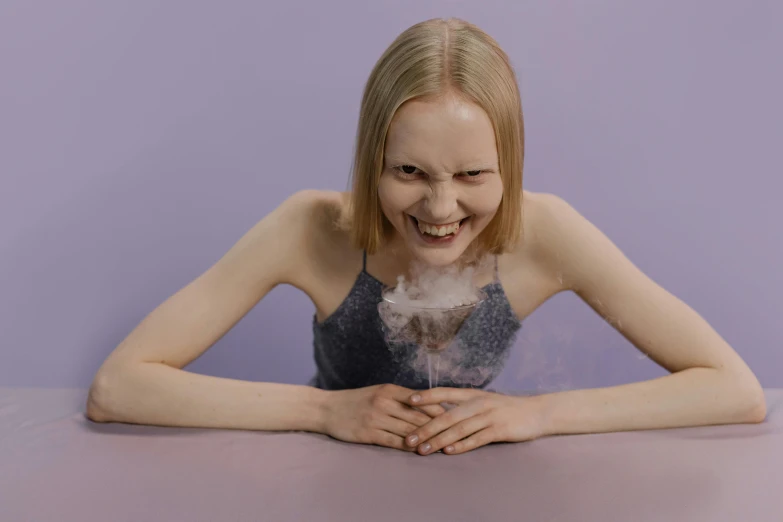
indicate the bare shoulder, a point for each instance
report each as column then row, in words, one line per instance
column 534, row 270
column 281, row 247
column 317, row 218
column 324, row 212
column 543, row 216
column 313, row 214
column 574, row 254
column 285, row 242
column 555, row 235
column 570, row 251
column 308, row 204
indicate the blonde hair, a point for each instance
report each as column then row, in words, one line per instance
column 433, row 58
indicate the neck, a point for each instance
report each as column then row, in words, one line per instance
column 399, row 259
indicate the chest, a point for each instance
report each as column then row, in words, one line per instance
column 525, row 285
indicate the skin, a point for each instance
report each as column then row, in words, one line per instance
column 440, row 166
column 446, row 137
column 143, row 380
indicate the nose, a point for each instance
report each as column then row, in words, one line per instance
column 442, row 202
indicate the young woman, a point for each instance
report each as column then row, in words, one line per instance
column 437, row 179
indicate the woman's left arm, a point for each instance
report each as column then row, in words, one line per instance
column 709, row 382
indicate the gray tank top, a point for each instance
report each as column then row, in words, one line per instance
column 351, row 350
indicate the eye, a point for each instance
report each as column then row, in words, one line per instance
column 407, row 170
column 473, row 175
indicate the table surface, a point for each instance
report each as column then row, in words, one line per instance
column 57, row 465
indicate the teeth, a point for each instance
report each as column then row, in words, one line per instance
column 438, row 230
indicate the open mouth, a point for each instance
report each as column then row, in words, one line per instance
column 438, row 233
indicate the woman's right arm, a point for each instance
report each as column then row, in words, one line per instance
column 142, row 380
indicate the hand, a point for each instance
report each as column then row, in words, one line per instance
column 376, row 415
column 479, row 418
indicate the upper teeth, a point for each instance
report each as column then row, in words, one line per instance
column 438, row 230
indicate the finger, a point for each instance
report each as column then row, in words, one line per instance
column 439, row 424
column 403, row 395
column 478, row 439
column 396, row 426
column 390, row 440
column 439, row 395
column 460, row 431
column 399, row 393
column 408, row 414
column 390, row 401
column 432, row 410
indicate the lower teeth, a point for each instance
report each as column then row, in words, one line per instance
column 437, row 235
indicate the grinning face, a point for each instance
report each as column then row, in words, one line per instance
column 440, row 185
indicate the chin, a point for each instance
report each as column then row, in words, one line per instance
column 437, row 257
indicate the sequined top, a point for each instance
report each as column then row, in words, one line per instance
column 351, row 350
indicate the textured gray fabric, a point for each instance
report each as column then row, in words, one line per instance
column 351, row 351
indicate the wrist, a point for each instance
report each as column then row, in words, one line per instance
column 320, row 414
column 544, row 408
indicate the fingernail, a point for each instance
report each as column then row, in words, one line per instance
column 449, row 449
column 426, row 447
column 412, row 440
column 416, row 398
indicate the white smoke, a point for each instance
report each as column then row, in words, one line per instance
column 428, row 312
column 433, row 288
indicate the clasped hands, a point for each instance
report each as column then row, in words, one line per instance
column 409, row 420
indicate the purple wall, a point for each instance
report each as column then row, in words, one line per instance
column 139, row 140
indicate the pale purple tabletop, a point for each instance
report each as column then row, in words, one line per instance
column 55, row 465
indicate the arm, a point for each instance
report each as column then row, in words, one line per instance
column 709, row 383
column 142, row 380
column 162, row 395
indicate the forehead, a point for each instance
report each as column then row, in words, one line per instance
column 441, row 130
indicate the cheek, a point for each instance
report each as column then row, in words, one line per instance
column 486, row 200
column 394, row 197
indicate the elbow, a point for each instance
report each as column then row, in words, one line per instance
column 97, row 408
column 757, row 408
column 102, row 398
column 751, row 403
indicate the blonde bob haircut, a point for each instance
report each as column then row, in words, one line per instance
column 431, row 59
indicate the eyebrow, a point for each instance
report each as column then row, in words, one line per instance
column 472, row 165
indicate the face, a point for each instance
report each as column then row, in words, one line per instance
column 440, row 185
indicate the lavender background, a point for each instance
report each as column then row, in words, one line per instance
column 139, row 140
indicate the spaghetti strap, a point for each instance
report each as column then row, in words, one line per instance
column 364, row 260
column 497, row 272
